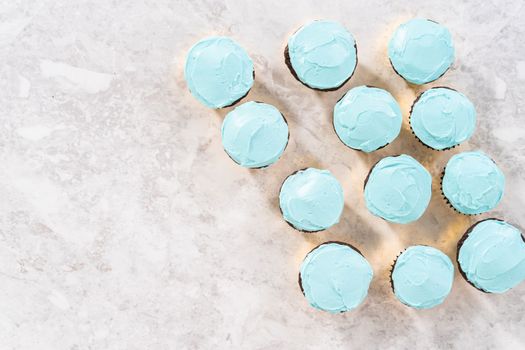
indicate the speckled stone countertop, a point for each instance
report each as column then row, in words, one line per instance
column 124, row 225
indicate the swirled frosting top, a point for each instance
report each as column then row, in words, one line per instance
column 311, row 200
column 473, row 183
column 422, row 277
column 442, row 118
column 367, row 118
column 254, row 134
column 335, row 277
column 421, row 50
column 398, row 189
column 493, row 256
column 323, row 54
column 218, row 71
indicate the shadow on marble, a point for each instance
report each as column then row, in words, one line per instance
column 362, row 76
column 351, row 229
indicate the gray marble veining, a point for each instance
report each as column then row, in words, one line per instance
column 124, row 225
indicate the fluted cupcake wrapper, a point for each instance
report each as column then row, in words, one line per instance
column 392, row 271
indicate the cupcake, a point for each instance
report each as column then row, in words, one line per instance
column 398, row 189
column 472, row 183
column 218, row 72
column 335, row 277
column 422, row 277
column 322, row 55
column 491, row 256
column 254, row 134
column 367, row 118
column 311, row 200
column 421, row 51
column 442, row 118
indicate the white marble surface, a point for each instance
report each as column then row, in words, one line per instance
column 124, row 225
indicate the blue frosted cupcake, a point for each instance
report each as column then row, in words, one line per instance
column 472, row 183
column 398, row 189
column 421, row 51
column 322, row 55
column 367, row 118
column 491, row 256
column 442, row 118
column 335, row 277
column 311, row 200
column 254, row 134
column 422, row 277
column 219, row 72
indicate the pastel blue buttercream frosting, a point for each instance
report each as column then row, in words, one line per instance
column 473, row 183
column 422, row 277
column 398, row 189
column 493, row 256
column 311, row 200
column 218, row 71
column 421, row 50
column 323, row 54
column 254, row 134
column 367, row 118
column 335, row 277
column 442, row 118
